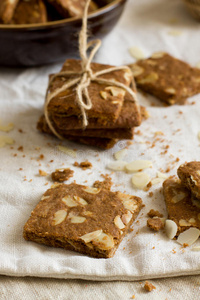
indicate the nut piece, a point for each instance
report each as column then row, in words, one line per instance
column 158, row 54
column 115, row 91
column 59, row 217
column 6, row 128
column 88, row 237
column 140, row 180
column 104, row 95
column 136, row 52
column 184, row 223
column 44, row 197
column 6, row 140
column 171, row 91
column 136, row 70
column 189, row 236
column 170, row 229
column 104, row 241
column 69, row 201
column 91, row 190
column 119, row 155
column 118, row 222
column 151, row 78
column 117, row 165
column 138, row 165
column 178, row 197
column 128, row 202
column 67, row 151
column 80, row 200
column 161, row 175
column 77, row 219
column 127, row 217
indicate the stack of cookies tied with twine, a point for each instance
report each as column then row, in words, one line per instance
column 90, row 103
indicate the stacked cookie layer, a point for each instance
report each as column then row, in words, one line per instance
column 113, row 115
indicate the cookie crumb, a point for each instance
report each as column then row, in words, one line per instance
column 154, row 213
column 42, row 173
column 149, row 287
column 61, row 175
column 83, row 165
column 155, row 224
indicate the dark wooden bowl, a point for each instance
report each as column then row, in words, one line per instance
column 34, row 45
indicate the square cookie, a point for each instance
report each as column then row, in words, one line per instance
column 30, row 12
column 167, row 78
column 88, row 220
column 72, row 8
column 107, row 100
column 182, row 208
column 189, row 175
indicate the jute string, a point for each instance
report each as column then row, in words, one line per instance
column 84, row 78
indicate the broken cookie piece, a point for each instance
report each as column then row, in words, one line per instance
column 167, row 78
column 61, row 175
column 155, row 224
column 88, row 220
column 149, row 287
column 182, row 207
column 189, row 174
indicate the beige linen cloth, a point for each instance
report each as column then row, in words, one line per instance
column 142, row 254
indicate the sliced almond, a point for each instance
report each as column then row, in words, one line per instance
column 198, row 65
column 140, row 180
column 77, row 219
column 69, row 201
column 117, row 165
column 128, row 76
column 128, row 202
column 136, row 70
column 59, row 217
column 54, row 185
column 189, row 236
column 175, row 32
column 138, row 165
column 87, row 213
column 198, row 135
column 158, row 55
column 136, row 52
column 156, row 180
column 67, row 151
column 178, row 197
column 44, row 197
column 170, row 229
column 150, row 78
column 104, row 241
column 88, row 237
column 161, row 175
column 6, row 128
column 80, row 200
column 119, row 155
column 127, row 217
column 197, row 248
column 104, row 95
column 6, row 140
column 151, row 62
column 171, row 91
column 116, row 91
column 192, row 221
column 184, row 223
column 118, row 222
column 91, row 190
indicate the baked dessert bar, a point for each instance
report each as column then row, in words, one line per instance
column 72, row 8
column 88, row 220
column 7, row 8
column 182, row 207
column 167, row 78
column 189, row 174
column 30, row 12
column 106, row 100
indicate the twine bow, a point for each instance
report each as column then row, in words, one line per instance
column 85, row 77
